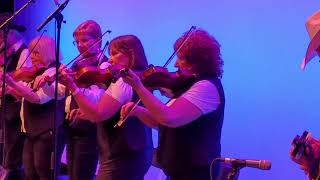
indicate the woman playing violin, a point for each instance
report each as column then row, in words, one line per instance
column 125, row 153
column 190, row 124
column 37, row 112
column 82, row 151
column 17, row 53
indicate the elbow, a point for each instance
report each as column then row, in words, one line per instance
column 171, row 120
column 172, row 125
column 96, row 118
column 34, row 100
column 166, row 121
column 99, row 117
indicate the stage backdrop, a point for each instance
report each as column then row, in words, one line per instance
column 269, row 99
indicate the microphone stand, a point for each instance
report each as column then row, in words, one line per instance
column 235, row 170
column 59, row 19
column 5, row 29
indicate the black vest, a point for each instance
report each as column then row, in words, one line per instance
column 12, row 116
column 195, row 144
column 39, row 118
column 132, row 136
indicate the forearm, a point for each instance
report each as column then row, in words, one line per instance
column 90, row 109
column 145, row 116
column 25, row 91
column 15, row 94
column 159, row 111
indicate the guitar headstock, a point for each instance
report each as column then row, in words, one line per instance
column 303, row 154
column 300, row 145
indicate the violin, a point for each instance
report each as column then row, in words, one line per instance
column 156, row 77
column 91, row 75
column 87, row 74
column 301, row 147
column 27, row 74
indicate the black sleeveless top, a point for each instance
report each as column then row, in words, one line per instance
column 39, row 118
column 12, row 116
column 195, row 144
column 132, row 136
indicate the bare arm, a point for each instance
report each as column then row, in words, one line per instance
column 14, row 93
column 109, row 104
column 11, row 91
column 105, row 108
column 140, row 112
column 181, row 112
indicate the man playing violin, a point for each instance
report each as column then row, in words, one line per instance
column 125, row 153
column 17, row 53
column 190, row 124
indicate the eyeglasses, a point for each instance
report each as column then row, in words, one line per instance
column 85, row 42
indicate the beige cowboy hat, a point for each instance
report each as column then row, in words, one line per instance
column 313, row 28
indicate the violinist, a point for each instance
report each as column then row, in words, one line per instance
column 37, row 111
column 189, row 124
column 125, row 153
column 82, row 147
column 17, row 53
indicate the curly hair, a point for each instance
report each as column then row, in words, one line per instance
column 202, row 51
column 131, row 46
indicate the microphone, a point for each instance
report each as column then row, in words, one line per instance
column 260, row 164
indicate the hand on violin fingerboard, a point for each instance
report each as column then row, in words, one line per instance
column 132, row 79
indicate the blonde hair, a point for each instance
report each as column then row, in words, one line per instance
column 46, row 48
